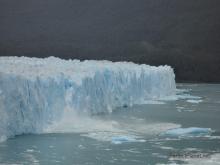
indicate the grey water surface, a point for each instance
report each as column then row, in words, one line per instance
column 146, row 122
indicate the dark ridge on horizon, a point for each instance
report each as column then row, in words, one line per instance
column 182, row 34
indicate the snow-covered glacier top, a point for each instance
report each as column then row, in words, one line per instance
column 34, row 92
column 75, row 70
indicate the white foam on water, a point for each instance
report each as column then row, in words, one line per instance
column 72, row 122
column 153, row 102
column 100, row 129
column 186, row 96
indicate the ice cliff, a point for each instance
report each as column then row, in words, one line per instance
column 34, row 92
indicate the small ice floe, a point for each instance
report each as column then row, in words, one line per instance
column 188, row 132
column 125, row 139
column 194, row 101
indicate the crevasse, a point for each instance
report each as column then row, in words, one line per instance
column 34, row 92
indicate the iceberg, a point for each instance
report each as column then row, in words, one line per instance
column 188, row 132
column 35, row 92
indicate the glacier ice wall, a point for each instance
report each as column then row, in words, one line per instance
column 34, row 92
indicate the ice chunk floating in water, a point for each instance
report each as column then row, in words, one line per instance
column 125, row 139
column 188, row 132
column 35, row 92
column 194, row 101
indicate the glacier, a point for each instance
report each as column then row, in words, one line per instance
column 34, row 92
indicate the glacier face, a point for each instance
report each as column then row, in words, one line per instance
column 34, row 92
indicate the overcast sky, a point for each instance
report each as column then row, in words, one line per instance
column 143, row 31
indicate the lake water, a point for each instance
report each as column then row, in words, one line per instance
column 130, row 135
